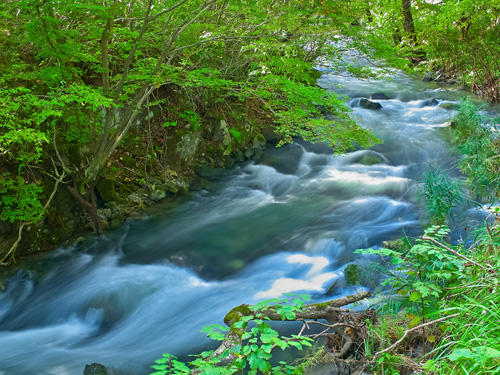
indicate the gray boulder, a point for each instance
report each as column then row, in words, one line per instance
column 429, row 76
column 366, row 103
column 430, row 102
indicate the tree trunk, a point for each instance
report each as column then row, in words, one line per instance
column 90, row 208
column 408, row 19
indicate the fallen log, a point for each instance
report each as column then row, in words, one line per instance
column 341, row 323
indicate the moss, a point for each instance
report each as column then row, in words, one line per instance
column 322, row 305
column 315, row 358
column 398, row 244
column 235, row 314
column 107, row 190
column 450, row 106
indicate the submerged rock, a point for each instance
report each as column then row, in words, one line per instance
column 366, row 103
column 370, row 160
column 95, row 369
column 450, row 106
column 368, row 157
column 379, row 96
column 430, row 102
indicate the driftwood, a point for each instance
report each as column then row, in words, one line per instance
column 341, row 324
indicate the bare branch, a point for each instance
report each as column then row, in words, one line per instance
column 105, row 52
column 414, row 329
column 11, row 251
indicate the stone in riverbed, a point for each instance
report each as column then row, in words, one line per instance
column 429, row 76
column 366, row 103
column 95, row 369
column 379, row 96
column 451, row 106
column 370, row 159
column 430, row 102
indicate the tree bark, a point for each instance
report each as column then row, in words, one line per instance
column 88, row 207
column 408, row 25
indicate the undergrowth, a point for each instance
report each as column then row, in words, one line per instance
column 443, row 315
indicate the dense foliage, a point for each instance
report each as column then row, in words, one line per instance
column 77, row 77
column 457, row 38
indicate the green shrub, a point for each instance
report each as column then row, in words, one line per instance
column 440, row 194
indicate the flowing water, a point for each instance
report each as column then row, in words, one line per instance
column 288, row 223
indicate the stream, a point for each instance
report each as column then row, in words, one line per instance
column 287, row 224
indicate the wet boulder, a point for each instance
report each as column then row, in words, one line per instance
column 379, row 96
column 95, row 369
column 370, row 160
column 366, row 103
column 430, row 102
column 367, row 157
column 207, row 171
column 450, row 106
column 429, row 76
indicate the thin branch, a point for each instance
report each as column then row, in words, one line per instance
column 435, row 242
column 222, row 38
column 131, row 55
column 106, row 34
column 173, row 7
column 184, row 25
column 408, row 331
column 14, row 246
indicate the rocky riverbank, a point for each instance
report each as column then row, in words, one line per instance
column 162, row 158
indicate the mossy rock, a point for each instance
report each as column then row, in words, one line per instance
column 450, row 106
column 95, row 369
column 236, row 314
column 370, row 160
column 188, row 145
column 398, row 244
column 259, row 141
column 107, row 190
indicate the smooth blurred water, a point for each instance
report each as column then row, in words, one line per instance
column 289, row 223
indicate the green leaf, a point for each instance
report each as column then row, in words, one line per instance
column 457, row 354
column 414, row 296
